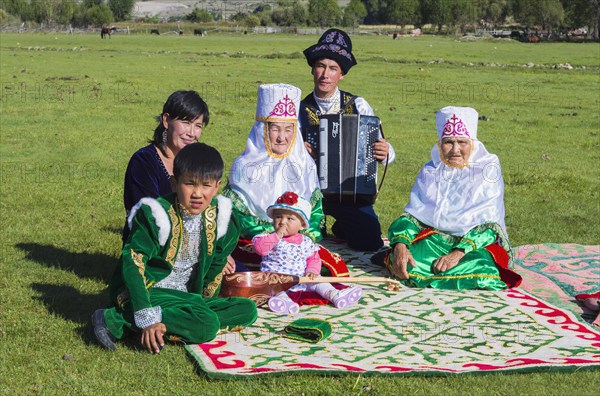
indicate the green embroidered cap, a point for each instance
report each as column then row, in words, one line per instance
column 309, row 329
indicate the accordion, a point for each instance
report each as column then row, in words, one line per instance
column 346, row 167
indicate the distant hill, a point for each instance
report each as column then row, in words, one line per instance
column 169, row 8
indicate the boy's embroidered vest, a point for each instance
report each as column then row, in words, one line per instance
column 309, row 113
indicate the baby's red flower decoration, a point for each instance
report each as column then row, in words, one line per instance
column 289, row 198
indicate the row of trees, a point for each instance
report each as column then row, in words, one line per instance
column 457, row 15
column 65, row 12
column 453, row 14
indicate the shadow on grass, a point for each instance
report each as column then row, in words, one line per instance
column 70, row 304
column 95, row 266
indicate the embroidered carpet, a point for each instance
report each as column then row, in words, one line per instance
column 431, row 332
column 556, row 273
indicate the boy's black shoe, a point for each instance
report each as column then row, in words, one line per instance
column 101, row 331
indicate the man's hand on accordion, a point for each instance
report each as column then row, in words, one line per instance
column 310, row 149
column 381, row 148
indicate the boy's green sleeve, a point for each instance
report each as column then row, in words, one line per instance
column 223, row 248
column 403, row 230
column 141, row 245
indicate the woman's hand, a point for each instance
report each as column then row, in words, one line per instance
column 311, row 274
column 152, row 337
column 230, row 266
column 402, row 258
column 448, row 261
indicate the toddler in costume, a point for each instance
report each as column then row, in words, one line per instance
column 289, row 252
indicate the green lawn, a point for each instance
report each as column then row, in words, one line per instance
column 74, row 108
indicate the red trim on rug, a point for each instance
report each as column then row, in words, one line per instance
column 555, row 316
column 222, row 360
column 500, row 257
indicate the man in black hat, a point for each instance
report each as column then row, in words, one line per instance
column 330, row 59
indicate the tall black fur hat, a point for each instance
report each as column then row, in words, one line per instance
column 334, row 44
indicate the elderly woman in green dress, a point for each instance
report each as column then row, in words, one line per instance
column 452, row 234
column 275, row 161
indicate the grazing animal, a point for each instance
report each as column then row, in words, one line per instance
column 395, row 36
column 155, row 31
column 107, row 31
column 533, row 38
column 198, row 32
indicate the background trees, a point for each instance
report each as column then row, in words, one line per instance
column 121, row 9
column 436, row 12
column 354, row 13
column 97, row 15
column 579, row 13
column 290, row 13
column 323, row 13
column 548, row 14
column 199, row 15
column 64, row 12
column 444, row 15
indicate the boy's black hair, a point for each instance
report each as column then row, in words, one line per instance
column 200, row 161
column 181, row 105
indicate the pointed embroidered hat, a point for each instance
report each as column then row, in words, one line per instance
column 278, row 103
column 294, row 203
column 454, row 121
column 334, row 44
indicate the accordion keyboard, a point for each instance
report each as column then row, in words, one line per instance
column 347, row 167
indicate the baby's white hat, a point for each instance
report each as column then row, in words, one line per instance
column 294, row 203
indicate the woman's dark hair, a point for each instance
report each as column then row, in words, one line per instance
column 200, row 161
column 181, row 105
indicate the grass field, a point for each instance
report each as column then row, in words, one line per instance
column 74, row 108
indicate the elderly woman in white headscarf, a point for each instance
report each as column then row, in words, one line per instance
column 452, row 234
column 275, row 161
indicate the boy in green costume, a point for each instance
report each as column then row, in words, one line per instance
column 171, row 267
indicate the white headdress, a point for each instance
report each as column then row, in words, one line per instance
column 259, row 176
column 455, row 200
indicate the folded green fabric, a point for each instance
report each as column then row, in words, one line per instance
column 310, row 330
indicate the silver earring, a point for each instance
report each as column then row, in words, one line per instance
column 165, row 136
